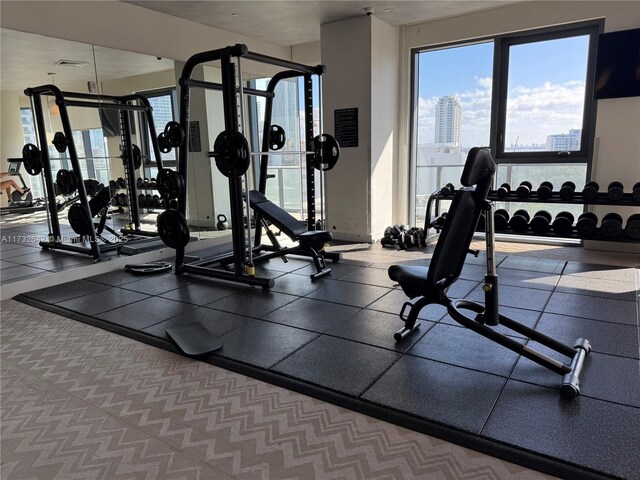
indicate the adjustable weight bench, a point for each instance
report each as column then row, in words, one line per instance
column 310, row 242
column 430, row 284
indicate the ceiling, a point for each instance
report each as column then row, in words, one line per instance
column 292, row 22
column 27, row 59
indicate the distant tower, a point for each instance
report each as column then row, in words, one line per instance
column 564, row 142
column 448, row 121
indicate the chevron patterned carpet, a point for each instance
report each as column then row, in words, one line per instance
column 78, row 402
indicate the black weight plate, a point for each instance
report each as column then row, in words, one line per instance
column 163, row 143
column 173, row 229
column 170, row 183
column 174, row 134
column 79, row 219
column 137, row 156
column 67, row 181
column 327, row 151
column 60, row 142
column 232, row 153
column 32, row 159
column 277, row 137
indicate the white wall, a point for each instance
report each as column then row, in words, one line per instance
column 11, row 138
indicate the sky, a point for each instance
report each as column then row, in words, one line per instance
column 545, row 89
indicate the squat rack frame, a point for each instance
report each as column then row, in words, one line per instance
column 124, row 105
column 230, row 106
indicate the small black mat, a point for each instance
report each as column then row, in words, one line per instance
column 194, row 339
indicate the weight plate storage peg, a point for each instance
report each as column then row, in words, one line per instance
column 541, row 222
column 590, row 191
column 79, row 219
column 615, row 191
column 173, row 229
column 587, row 224
column 567, row 190
column 327, row 152
column 60, row 142
column 32, row 159
column 67, row 181
column 170, row 183
column 231, row 151
column 632, row 229
column 277, row 137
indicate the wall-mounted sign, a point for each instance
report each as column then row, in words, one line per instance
column 346, row 127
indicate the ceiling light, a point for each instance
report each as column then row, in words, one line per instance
column 387, row 9
column 71, row 63
column 234, row 14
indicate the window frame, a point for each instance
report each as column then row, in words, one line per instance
column 148, row 158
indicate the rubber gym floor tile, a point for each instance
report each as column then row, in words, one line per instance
column 6, row 246
column 605, row 377
column 202, row 292
column 438, row 392
column 598, row 287
column 605, row 272
column 62, row 262
column 279, row 265
column 338, row 270
column 252, row 303
column 355, row 294
column 338, row 364
column 465, row 348
column 159, row 284
column 41, row 255
column 18, row 251
column 66, row 291
column 370, row 276
column 473, row 272
column 216, row 321
column 313, row 315
column 377, row 329
column 263, row 344
column 393, row 301
column 526, row 317
column 102, row 301
column 115, row 278
column 605, row 337
column 19, row 272
column 594, row 308
column 517, row 297
column 7, row 264
column 294, row 285
column 398, row 260
column 583, row 431
column 534, row 264
column 482, row 259
column 145, row 313
column 526, row 279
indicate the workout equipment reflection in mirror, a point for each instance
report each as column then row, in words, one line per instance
column 60, row 142
column 231, row 151
column 32, row 159
column 173, row 229
column 137, row 156
column 172, row 137
column 277, row 137
column 170, row 184
column 67, row 181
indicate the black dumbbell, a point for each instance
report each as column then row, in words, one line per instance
column 635, row 192
column 567, row 190
column 590, row 191
column 615, row 191
column 124, row 200
column 632, row 229
column 545, row 190
column 504, row 190
column 519, row 222
column 148, row 201
column 447, row 190
column 611, row 225
column 156, row 201
column 139, row 182
column 142, row 198
column 563, row 224
column 388, row 241
column 152, row 183
column 524, row 189
column 145, row 183
column 482, row 224
column 587, row 224
column 501, row 219
column 438, row 223
column 121, row 183
column 113, row 185
column 541, row 222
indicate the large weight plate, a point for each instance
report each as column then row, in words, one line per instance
column 277, row 137
column 79, row 219
column 174, row 134
column 32, row 159
column 60, row 142
column 327, row 151
column 169, row 183
column 173, row 228
column 231, row 151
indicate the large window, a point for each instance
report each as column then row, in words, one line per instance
column 164, row 110
column 528, row 96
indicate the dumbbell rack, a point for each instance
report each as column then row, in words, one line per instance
column 601, row 199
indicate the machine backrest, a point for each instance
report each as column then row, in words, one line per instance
column 462, row 218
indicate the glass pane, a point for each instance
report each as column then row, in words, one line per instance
column 557, row 174
column 162, row 114
column 453, row 114
column 545, row 95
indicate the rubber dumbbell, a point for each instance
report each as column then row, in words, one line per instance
column 590, row 191
column 635, row 192
column 113, row 185
column 611, row 225
column 632, row 229
column 615, row 191
column 124, row 200
column 587, row 224
column 519, row 222
column 148, row 202
column 501, row 219
column 524, row 189
column 567, row 190
column 152, row 183
column 504, row 190
column 438, row 223
column 142, row 198
column 545, row 190
column 563, row 224
column 156, row 201
column 121, row 182
column 541, row 222
column 447, row 190
column 388, row 241
column 139, row 183
column 145, row 183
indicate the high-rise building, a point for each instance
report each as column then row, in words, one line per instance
column 448, row 121
column 564, row 142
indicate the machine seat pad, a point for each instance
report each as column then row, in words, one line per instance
column 411, row 276
column 316, row 236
